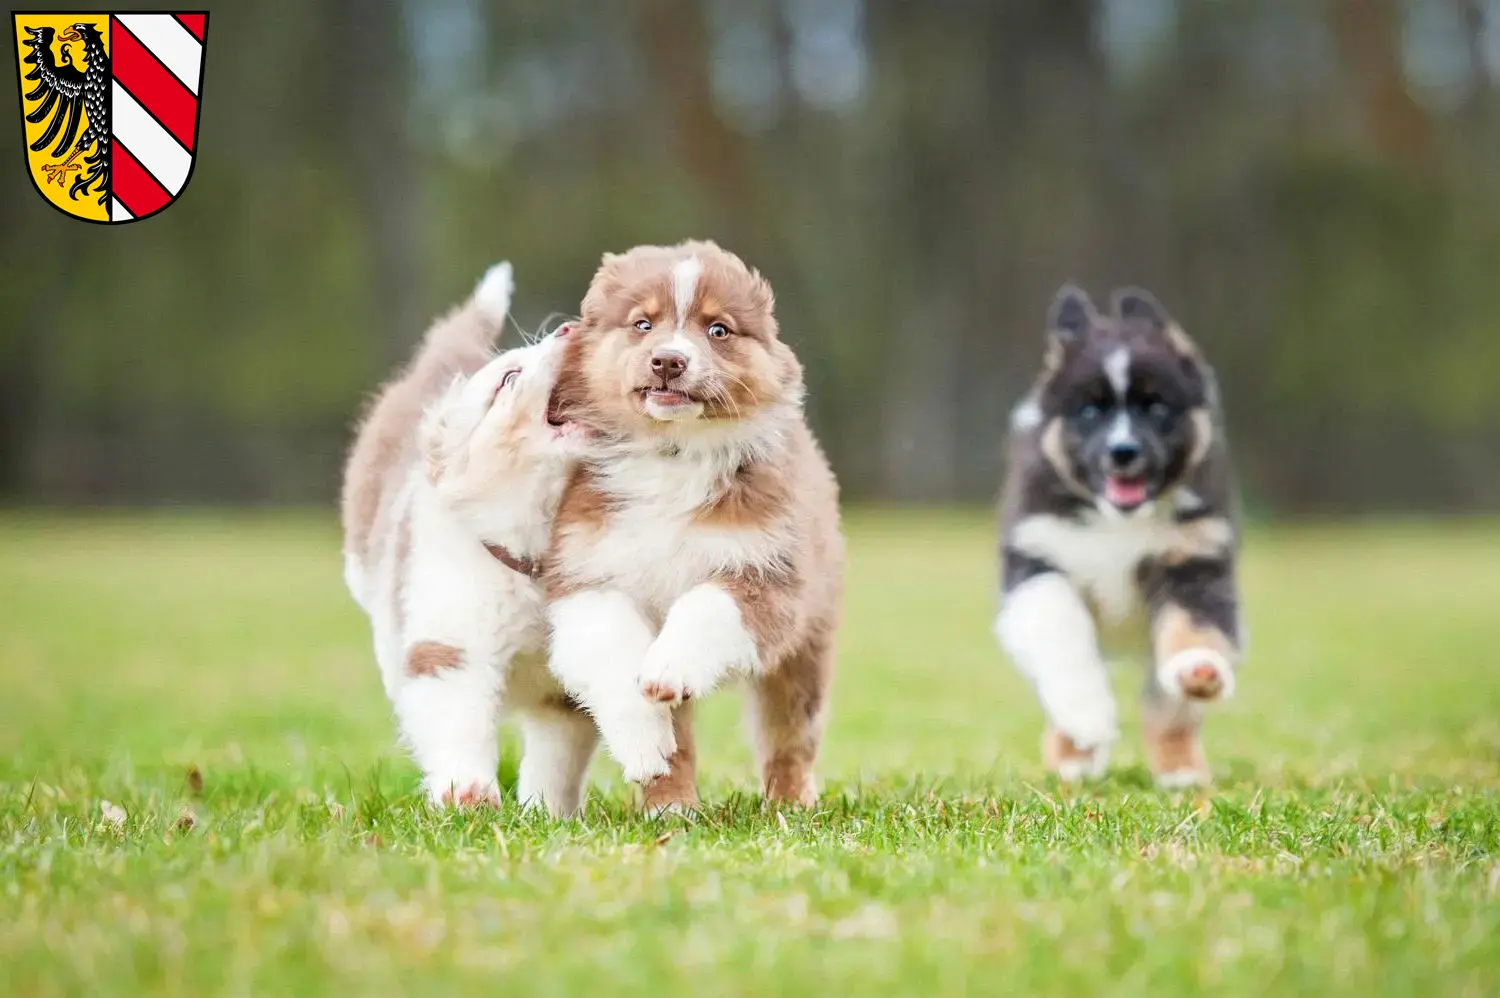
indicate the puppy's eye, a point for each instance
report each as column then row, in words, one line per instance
column 1090, row 411
column 1156, row 408
column 644, row 325
column 718, row 331
column 508, row 378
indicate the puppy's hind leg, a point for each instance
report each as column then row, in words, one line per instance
column 1195, row 638
column 787, row 711
column 448, row 705
column 558, row 744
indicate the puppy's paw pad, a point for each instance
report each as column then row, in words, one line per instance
column 660, row 691
column 469, row 795
column 1198, row 674
column 665, row 675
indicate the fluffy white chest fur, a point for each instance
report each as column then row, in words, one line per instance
column 655, row 546
column 1100, row 556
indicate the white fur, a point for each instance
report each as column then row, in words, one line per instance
column 1099, row 553
column 1187, row 501
column 558, row 746
column 1120, row 431
column 685, row 274
column 1181, row 779
column 493, row 293
column 702, row 642
column 1117, row 367
column 599, row 640
column 1078, row 770
column 657, row 550
column 451, row 590
column 1169, row 674
column 1047, row 631
column 655, row 547
column 1026, row 416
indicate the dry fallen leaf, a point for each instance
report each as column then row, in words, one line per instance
column 665, row 837
column 185, row 822
column 195, row 780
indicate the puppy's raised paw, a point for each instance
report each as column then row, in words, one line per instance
column 640, row 740
column 668, row 674
column 1197, row 674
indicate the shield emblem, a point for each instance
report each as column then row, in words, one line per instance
column 109, row 109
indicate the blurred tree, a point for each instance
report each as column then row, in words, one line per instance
column 1308, row 186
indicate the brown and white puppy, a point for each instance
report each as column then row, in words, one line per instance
column 448, row 501
column 1118, row 522
column 700, row 543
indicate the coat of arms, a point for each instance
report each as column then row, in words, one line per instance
column 109, row 103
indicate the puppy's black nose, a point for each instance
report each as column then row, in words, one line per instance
column 668, row 364
column 1124, row 454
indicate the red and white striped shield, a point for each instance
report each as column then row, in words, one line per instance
column 110, row 104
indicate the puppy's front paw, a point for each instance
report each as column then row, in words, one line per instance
column 641, row 741
column 668, row 673
column 1197, row 674
column 1088, row 719
column 463, row 793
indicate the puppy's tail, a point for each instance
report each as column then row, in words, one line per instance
column 464, row 339
column 491, row 298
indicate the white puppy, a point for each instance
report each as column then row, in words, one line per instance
column 449, row 495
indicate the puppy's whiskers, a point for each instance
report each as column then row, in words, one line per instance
column 735, row 379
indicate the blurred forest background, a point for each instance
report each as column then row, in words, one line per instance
column 1310, row 185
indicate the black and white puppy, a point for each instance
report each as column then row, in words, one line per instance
column 1118, row 529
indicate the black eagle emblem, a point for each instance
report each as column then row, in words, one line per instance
column 68, row 95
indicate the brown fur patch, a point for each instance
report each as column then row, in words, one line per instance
column 678, row 786
column 1175, row 750
column 458, row 343
column 429, row 658
column 1058, row 748
column 1207, row 537
column 756, row 494
column 1181, row 341
column 1051, row 444
column 1203, row 435
column 1176, row 630
column 401, row 554
column 791, row 706
column 770, row 605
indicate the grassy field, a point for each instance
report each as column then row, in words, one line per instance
column 209, row 678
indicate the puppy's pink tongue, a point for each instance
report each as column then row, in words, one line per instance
column 1124, row 492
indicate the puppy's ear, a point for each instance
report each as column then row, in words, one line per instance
column 1071, row 314
column 761, row 295
column 1139, row 305
column 605, row 284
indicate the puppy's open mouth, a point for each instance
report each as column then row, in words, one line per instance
column 667, row 396
column 556, row 414
column 561, row 417
column 1125, row 493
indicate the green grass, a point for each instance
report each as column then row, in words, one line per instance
column 1352, row 845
